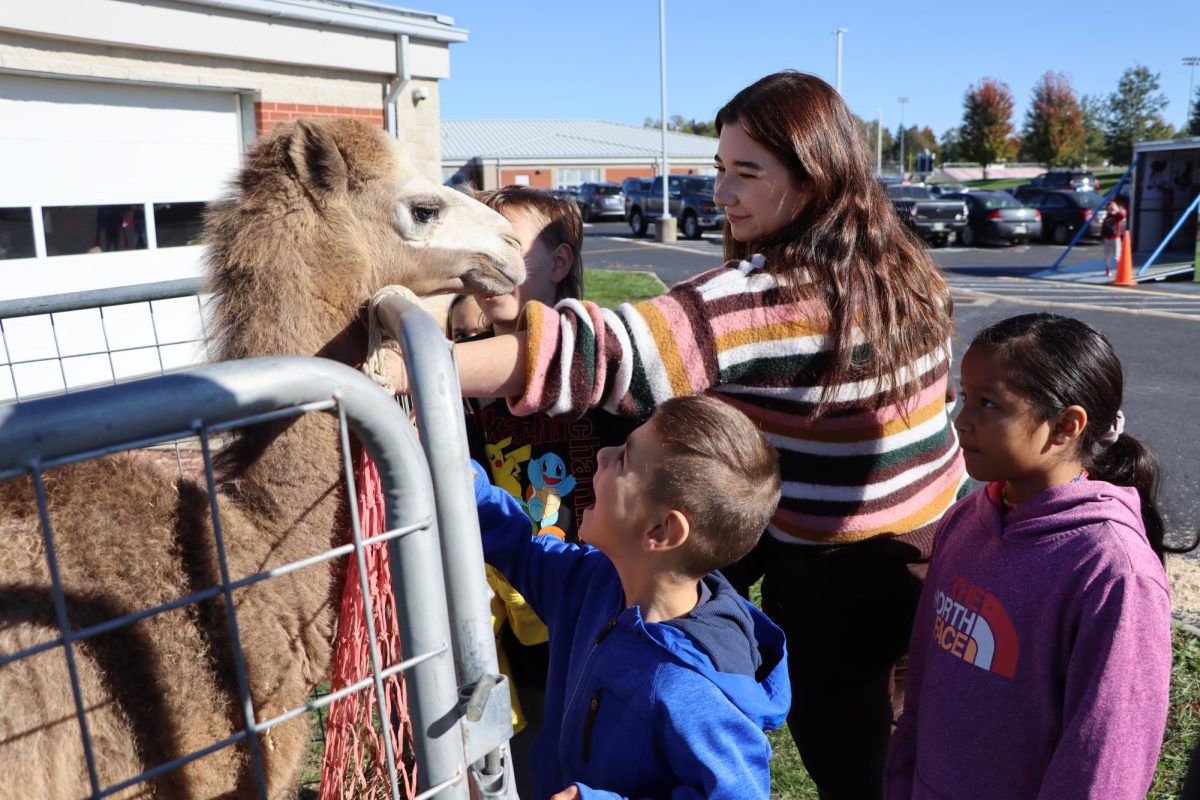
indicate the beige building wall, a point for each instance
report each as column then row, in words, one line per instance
column 38, row 38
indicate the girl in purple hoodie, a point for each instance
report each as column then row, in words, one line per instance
column 1040, row 658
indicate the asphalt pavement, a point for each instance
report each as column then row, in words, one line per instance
column 1155, row 329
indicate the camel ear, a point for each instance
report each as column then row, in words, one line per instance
column 316, row 158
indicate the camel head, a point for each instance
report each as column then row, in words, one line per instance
column 326, row 212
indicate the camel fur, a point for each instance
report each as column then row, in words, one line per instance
column 321, row 216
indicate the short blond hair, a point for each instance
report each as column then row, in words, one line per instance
column 561, row 222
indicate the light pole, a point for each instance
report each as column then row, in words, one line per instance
column 1189, row 61
column 903, row 100
column 879, row 144
column 665, row 228
column 838, row 33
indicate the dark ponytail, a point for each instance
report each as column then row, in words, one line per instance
column 1058, row 362
column 1127, row 462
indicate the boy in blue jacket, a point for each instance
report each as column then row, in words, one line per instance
column 662, row 679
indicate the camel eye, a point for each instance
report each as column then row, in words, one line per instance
column 424, row 214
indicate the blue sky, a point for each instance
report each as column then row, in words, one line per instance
column 568, row 59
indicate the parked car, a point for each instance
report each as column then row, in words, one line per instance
column 998, row 217
column 935, row 220
column 1079, row 180
column 600, row 201
column 1064, row 211
column 943, row 189
column 634, row 185
column 691, row 203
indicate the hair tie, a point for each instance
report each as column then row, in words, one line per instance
column 1114, row 433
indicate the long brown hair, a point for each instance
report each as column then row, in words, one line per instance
column 870, row 272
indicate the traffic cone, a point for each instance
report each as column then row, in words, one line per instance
column 1125, row 263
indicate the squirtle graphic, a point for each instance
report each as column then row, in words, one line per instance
column 548, row 484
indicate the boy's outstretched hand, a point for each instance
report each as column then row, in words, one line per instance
column 569, row 793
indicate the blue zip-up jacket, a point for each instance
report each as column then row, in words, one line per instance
column 641, row 709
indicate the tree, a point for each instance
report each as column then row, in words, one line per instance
column 951, row 145
column 869, row 130
column 1093, row 128
column 1054, row 133
column 679, row 124
column 1133, row 113
column 1193, row 126
column 987, row 123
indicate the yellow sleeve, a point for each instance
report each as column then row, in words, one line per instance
column 509, row 606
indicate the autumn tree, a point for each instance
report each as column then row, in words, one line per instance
column 987, row 123
column 1054, row 133
column 1133, row 113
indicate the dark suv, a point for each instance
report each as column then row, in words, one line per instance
column 1078, row 179
column 600, row 201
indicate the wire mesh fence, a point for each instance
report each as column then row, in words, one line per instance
column 183, row 419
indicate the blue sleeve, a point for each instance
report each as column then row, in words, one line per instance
column 547, row 571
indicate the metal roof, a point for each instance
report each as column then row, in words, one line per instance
column 536, row 139
column 353, row 14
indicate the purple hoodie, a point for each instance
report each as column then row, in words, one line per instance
column 1041, row 653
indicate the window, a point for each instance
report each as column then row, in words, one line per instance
column 94, row 229
column 574, row 177
column 16, row 233
column 178, row 224
column 1000, row 201
column 521, row 180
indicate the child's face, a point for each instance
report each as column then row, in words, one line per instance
column 623, row 509
column 1002, row 438
column 754, row 187
column 466, row 319
column 544, row 270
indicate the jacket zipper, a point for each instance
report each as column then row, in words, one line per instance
column 593, row 708
column 608, row 626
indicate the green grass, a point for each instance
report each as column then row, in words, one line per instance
column 609, row 288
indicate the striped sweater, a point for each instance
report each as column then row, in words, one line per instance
column 858, row 472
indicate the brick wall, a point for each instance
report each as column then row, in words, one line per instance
column 266, row 115
column 618, row 174
column 539, row 178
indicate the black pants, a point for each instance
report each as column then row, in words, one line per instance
column 847, row 614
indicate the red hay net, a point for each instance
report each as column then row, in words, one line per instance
column 355, row 762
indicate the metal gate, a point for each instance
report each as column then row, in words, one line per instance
column 458, row 701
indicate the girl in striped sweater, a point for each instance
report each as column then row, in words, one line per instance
column 829, row 326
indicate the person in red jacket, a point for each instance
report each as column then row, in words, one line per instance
column 1111, row 231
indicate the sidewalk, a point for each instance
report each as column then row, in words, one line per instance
column 1092, row 272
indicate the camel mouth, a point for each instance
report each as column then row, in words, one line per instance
column 488, row 275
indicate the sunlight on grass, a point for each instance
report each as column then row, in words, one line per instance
column 609, row 288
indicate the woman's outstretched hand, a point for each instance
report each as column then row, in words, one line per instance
column 569, row 793
column 394, row 364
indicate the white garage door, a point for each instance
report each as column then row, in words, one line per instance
column 102, row 185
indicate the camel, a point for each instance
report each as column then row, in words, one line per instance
column 321, row 216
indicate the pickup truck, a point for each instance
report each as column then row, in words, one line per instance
column 691, row 203
column 934, row 220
